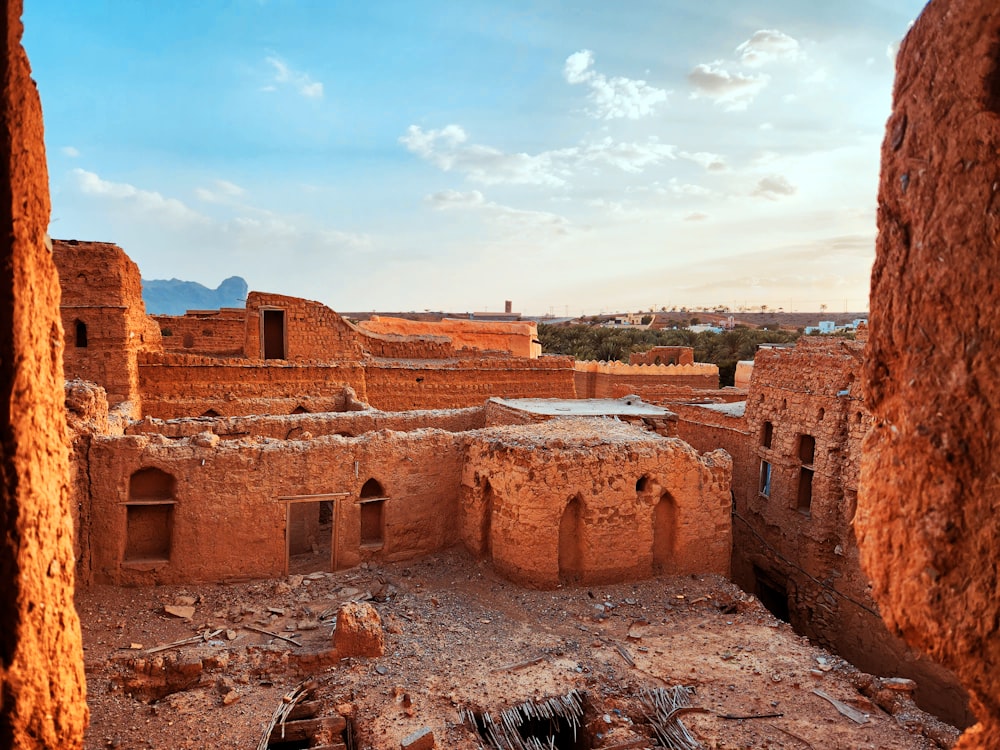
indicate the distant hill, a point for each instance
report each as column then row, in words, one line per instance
column 176, row 297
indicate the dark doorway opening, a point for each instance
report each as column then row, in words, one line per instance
column 274, row 334
column 772, row 594
column 309, row 532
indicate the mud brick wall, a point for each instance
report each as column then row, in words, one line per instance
column 605, row 379
column 176, row 385
column 312, row 330
column 221, row 333
column 582, row 501
column 286, row 427
column 517, row 338
column 663, row 355
column 104, row 319
column 42, row 682
column 228, row 519
column 814, row 389
column 399, row 386
column 389, row 346
column 669, row 393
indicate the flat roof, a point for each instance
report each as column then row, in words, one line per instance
column 585, row 407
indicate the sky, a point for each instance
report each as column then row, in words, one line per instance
column 574, row 157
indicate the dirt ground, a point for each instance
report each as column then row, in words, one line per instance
column 459, row 637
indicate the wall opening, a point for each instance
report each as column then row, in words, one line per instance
column 807, row 449
column 211, row 413
column 486, row 525
column 81, row 335
column 273, row 333
column 773, row 593
column 372, row 488
column 804, row 501
column 373, row 523
column 300, row 409
column 642, row 483
column 148, row 532
column 664, row 533
column 765, row 479
column 766, row 434
column 570, row 542
column 151, row 484
column 309, row 529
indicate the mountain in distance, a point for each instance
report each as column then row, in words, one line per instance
column 176, row 297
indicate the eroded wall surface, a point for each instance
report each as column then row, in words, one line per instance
column 588, row 500
column 928, row 520
column 42, row 701
column 607, row 379
column 518, row 338
column 797, row 454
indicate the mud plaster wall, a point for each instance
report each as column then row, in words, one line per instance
column 659, row 394
column 42, row 685
column 515, row 338
column 928, row 519
column 175, row 385
column 393, row 386
column 312, row 330
column 221, row 333
column 102, row 291
column 228, row 520
column 285, row 427
column 813, row 390
column 518, row 482
column 604, row 379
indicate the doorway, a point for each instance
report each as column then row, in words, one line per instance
column 570, row 542
column 273, row 334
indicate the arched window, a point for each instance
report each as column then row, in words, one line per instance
column 372, row 514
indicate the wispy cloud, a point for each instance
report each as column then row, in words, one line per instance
column 514, row 219
column 449, row 149
column 767, row 46
column 285, row 75
column 773, row 187
column 734, row 91
column 222, row 191
column 147, row 201
column 70, row 151
column 612, row 98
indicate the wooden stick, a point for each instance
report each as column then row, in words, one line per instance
column 520, row 665
column 184, row 641
column 273, row 635
column 625, row 654
column 749, row 716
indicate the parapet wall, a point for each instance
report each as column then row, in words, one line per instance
column 517, row 338
column 178, row 385
column 312, row 331
column 217, row 333
column 401, row 386
column 608, row 379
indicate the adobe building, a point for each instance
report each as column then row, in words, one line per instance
column 796, row 446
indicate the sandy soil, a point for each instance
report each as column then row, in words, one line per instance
column 458, row 636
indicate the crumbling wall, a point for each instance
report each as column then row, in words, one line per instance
column 226, row 507
column 177, row 385
column 401, row 386
column 312, row 330
column 217, row 333
column 604, row 379
column 928, row 523
column 801, row 552
column 42, row 685
column 591, row 500
column 288, row 426
column 104, row 318
column 517, row 338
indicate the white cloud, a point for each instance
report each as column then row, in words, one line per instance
column 516, row 220
column 774, row 186
column 707, row 160
column 769, row 45
column 70, row 151
column 612, row 98
column 734, row 91
column 449, row 150
column 169, row 209
column 284, row 75
column 223, row 192
column 684, row 189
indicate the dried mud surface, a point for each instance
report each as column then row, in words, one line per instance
column 458, row 636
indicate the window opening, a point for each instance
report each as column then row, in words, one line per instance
column 767, row 434
column 81, row 335
column 765, row 478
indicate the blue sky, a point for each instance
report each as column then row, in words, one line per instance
column 570, row 156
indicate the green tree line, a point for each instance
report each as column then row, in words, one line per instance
column 722, row 349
